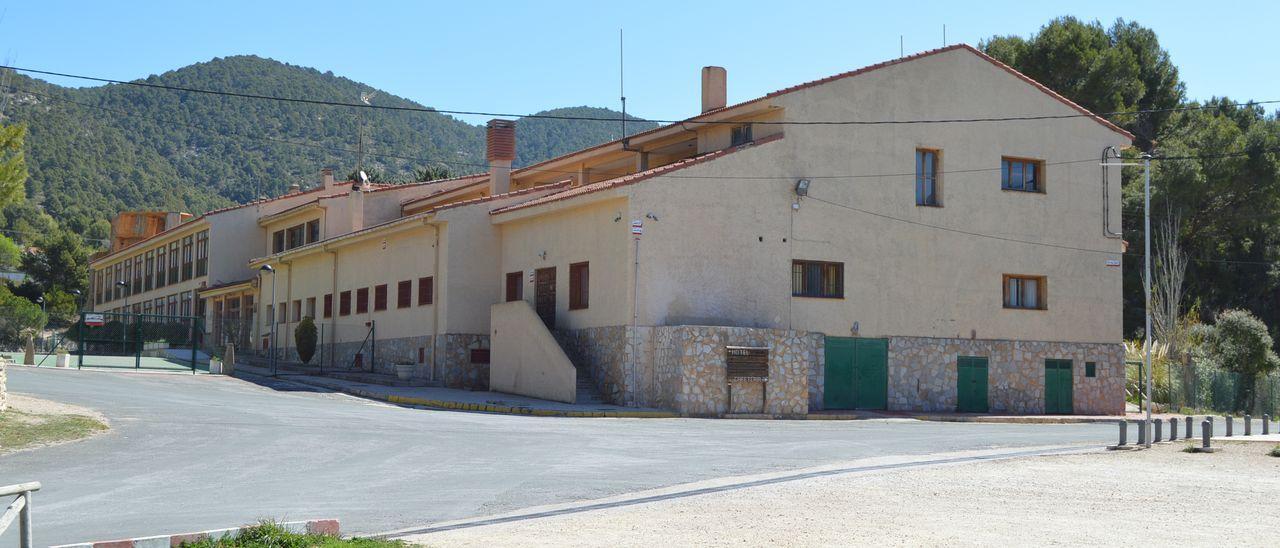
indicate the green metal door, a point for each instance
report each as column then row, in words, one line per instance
column 971, row 390
column 871, row 373
column 1057, row 387
column 838, row 376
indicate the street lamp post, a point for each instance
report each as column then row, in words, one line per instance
column 1146, row 285
column 266, row 269
column 124, row 331
column 43, row 342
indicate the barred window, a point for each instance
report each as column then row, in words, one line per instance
column 817, row 279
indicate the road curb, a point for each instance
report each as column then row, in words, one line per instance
column 448, row 405
column 311, row 527
column 1018, row 420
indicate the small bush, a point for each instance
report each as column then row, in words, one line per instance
column 1275, row 451
column 305, row 337
column 270, row 535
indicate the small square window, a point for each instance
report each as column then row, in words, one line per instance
column 1090, row 369
column 1024, row 292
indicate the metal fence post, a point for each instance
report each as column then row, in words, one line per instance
column 195, row 326
column 80, row 329
column 137, row 342
column 1248, row 425
column 1206, row 432
column 1191, row 431
column 1173, row 429
column 1159, row 430
column 373, row 346
column 24, row 530
column 1229, row 420
column 1124, row 433
column 1266, row 424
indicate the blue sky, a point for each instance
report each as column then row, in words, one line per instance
column 525, row 57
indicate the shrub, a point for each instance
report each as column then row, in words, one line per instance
column 1241, row 343
column 305, row 337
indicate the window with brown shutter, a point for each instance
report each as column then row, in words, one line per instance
column 380, row 298
column 404, row 294
column 515, row 286
column 328, row 305
column 344, row 303
column 426, row 291
column 579, row 282
column 362, row 300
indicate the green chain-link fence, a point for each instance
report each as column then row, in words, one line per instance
column 1198, row 388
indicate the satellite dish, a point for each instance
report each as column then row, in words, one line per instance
column 364, row 177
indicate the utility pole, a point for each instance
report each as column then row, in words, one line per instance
column 1146, row 286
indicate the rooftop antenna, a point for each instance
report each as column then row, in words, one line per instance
column 622, row 85
column 944, row 35
column 365, row 97
column 901, row 49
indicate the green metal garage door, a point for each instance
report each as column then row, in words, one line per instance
column 971, row 390
column 1057, row 387
column 857, row 373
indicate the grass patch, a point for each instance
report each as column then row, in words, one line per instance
column 1275, row 451
column 1190, row 448
column 270, row 535
column 19, row 430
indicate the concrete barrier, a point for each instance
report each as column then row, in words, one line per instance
column 315, row 526
column 525, row 359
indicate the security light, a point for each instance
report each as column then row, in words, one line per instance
column 266, row 268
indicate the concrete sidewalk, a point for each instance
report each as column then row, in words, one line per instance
column 460, row 400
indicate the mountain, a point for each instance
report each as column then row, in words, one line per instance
column 94, row 151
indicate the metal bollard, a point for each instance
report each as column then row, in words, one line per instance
column 1229, row 419
column 1159, row 427
column 1142, row 432
column 1248, row 425
column 1173, row 429
column 1266, row 424
column 1191, row 431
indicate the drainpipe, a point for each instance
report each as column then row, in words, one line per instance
column 435, row 301
column 333, row 303
column 635, row 320
column 1107, row 154
column 288, row 303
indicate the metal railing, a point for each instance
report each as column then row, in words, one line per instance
column 19, row 509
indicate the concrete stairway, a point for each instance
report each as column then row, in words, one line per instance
column 588, row 394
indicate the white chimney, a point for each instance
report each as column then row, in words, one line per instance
column 500, row 140
column 356, row 205
column 714, row 84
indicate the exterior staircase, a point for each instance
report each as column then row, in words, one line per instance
column 588, row 394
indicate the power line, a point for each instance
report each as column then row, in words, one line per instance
column 429, row 161
column 613, row 119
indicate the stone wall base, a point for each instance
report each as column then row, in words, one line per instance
column 453, row 367
column 684, row 368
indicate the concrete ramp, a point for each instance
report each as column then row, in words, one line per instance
column 525, row 359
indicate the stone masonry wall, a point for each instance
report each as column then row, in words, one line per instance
column 683, row 367
column 922, row 374
column 454, row 369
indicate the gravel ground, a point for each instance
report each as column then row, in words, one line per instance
column 37, row 406
column 1160, row 496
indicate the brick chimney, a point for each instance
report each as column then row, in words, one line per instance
column 714, row 83
column 326, row 179
column 500, row 139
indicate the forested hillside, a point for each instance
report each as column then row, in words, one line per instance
column 94, row 151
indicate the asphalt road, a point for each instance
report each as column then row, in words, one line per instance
column 196, row 452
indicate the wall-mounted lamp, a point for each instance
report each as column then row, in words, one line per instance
column 543, row 255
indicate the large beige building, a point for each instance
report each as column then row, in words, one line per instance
column 755, row 258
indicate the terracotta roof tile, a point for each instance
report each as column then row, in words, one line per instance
column 635, row 177
column 863, row 70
